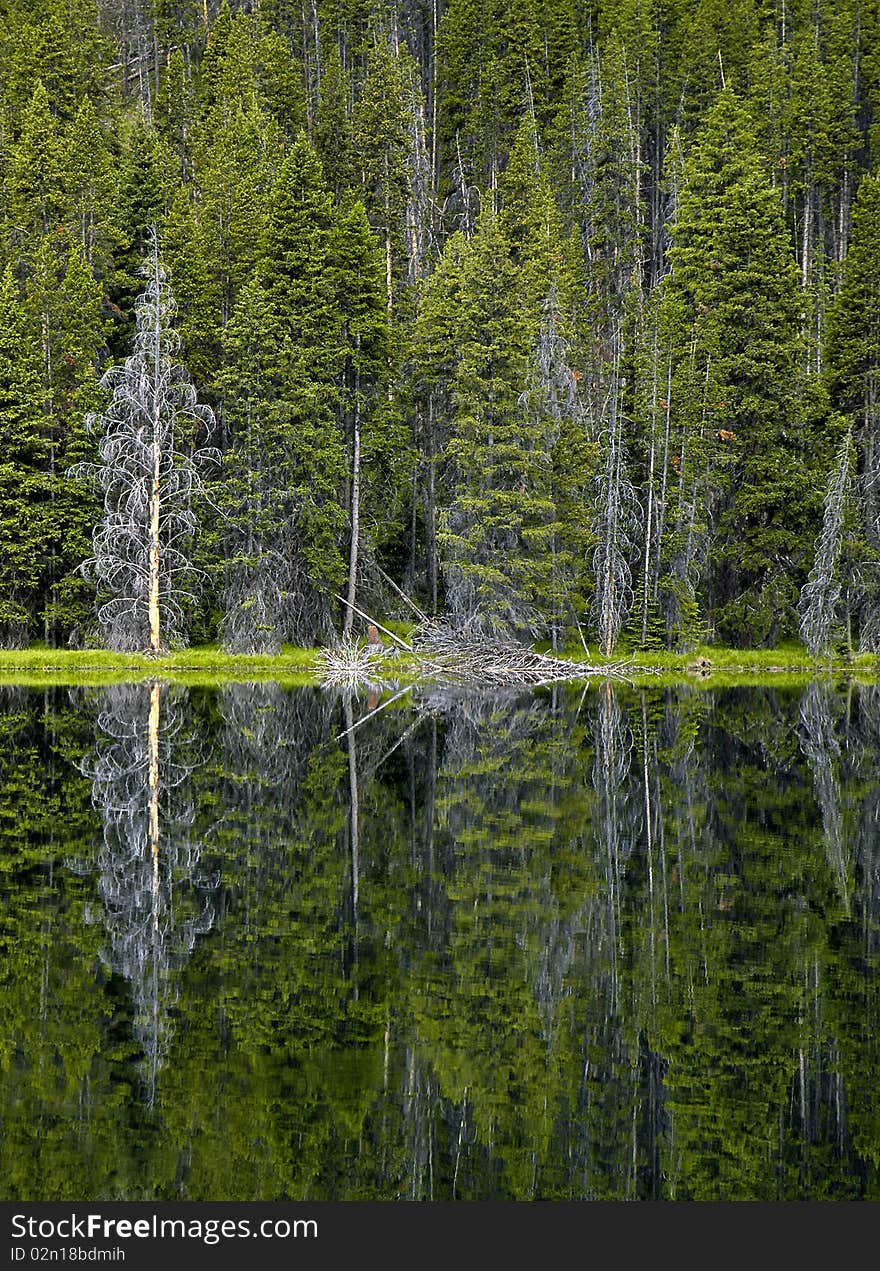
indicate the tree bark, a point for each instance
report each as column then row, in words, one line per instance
column 355, row 508
column 355, row 528
column 153, row 602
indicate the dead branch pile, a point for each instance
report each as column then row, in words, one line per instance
column 446, row 655
column 471, row 657
column 350, row 666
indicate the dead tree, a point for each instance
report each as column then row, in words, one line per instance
column 820, row 595
column 616, row 526
column 149, row 475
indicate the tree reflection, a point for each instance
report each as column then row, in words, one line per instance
column 820, row 745
column 156, row 897
column 550, row 946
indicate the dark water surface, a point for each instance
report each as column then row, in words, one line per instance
column 614, row 945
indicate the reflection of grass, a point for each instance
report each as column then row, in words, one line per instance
column 208, row 664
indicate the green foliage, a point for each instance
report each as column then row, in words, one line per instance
column 24, row 483
column 732, row 306
column 498, row 516
column 689, row 188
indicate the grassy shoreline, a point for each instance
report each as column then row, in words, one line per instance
column 708, row 665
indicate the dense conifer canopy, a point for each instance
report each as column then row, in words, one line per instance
column 553, row 317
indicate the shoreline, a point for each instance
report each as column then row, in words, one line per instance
column 297, row 667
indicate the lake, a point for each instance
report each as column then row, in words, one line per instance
column 269, row 943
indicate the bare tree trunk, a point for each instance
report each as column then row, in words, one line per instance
column 664, row 467
column 649, row 514
column 431, row 510
column 355, row 527
column 153, row 602
column 806, row 235
column 434, row 173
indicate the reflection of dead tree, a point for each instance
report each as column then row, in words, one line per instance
column 863, row 752
column 421, row 1098
column 156, row 899
column 822, row 749
column 616, row 829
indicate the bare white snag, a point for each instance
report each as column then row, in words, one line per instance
column 820, row 594
column 616, row 525
column 143, row 545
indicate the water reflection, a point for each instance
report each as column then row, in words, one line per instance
column 273, row 943
column 156, row 896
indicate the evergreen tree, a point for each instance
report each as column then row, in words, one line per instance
column 381, row 144
column 733, row 301
column 147, row 183
column 284, row 354
column 332, row 132
column 498, row 517
column 174, row 109
column 35, row 182
column 24, row 483
column 91, row 188
column 64, row 303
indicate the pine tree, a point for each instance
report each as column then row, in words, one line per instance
column 147, row 183
column 498, row 520
column 64, row 303
column 332, row 132
column 734, row 312
column 35, row 182
column 432, row 360
column 197, row 289
column 381, row 145
column 91, row 189
column 286, row 470
column 226, row 219
column 174, row 110
column 24, row 483
column 60, row 43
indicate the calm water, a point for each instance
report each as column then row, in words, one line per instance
column 619, row 945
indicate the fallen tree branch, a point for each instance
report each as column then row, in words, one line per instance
column 443, row 655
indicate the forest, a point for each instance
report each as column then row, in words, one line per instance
column 559, row 320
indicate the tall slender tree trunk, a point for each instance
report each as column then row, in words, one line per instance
column 431, row 510
column 649, row 514
column 355, row 502
column 355, row 528
column 153, row 601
